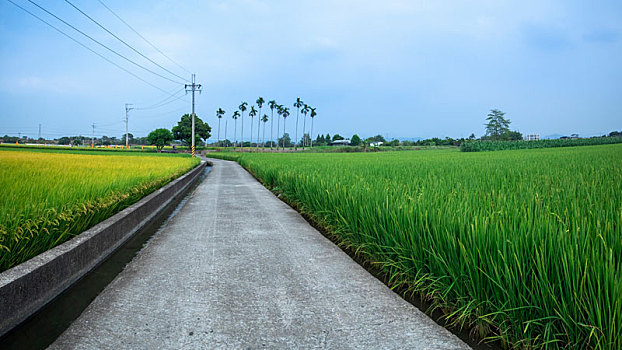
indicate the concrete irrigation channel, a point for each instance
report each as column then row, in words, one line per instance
column 238, row 268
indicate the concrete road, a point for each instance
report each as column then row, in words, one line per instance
column 237, row 268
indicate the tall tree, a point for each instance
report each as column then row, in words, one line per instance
column 242, row 108
column 355, row 140
column 260, row 101
column 272, row 105
column 305, row 110
column 226, row 122
column 279, row 112
column 264, row 119
column 252, row 114
column 183, row 130
column 312, row 115
column 285, row 114
column 235, row 117
column 219, row 113
column 160, row 138
column 297, row 104
column 497, row 125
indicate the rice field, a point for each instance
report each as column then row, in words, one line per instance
column 522, row 247
column 50, row 196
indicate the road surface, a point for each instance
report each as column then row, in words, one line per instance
column 237, row 268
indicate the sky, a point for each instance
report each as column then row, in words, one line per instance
column 402, row 69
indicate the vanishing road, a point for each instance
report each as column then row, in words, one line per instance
column 238, row 268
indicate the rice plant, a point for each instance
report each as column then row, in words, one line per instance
column 49, row 197
column 523, row 247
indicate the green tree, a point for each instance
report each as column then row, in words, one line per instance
column 297, row 104
column 285, row 141
column 511, row 136
column 319, row 140
column 160, row 138
column 305, row 110
column 183, row 130
column 497, row 125
column 235, row 117
column 312, row 115
column 337, row 137
column 356, row 140
column 252, row 114
column 285, row 113
column 306, row 139
column 260, row 101
column 219, row 113
column 130, row 137
column 264, row 119
column 272, row 105
column 242, row 108
column 379, row 138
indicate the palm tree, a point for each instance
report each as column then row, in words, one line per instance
column 252, row 114
column 272, row 105
column 263, row 137
column 304, row 111
column 297, row 104
column 242, row 107
column 219, row 113
column 260, row 101
column 312, row 115
column 236, row 115
column 285, row 113
column 279, row 112
column 226, row 120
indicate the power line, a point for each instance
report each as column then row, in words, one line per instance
column 147, row 41
column 88, row 48
column 104, row 46
column 164, row 102
column 116, row 37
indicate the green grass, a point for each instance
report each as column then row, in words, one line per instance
column 49, row 196
column 523, row 247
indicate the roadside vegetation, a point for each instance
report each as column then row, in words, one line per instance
column 49, row 196
column 520, row 247
column 478, row 146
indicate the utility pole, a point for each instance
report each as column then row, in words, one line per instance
column 93, row 138
column 193, row 87
column 127, row 109
column 39, row 132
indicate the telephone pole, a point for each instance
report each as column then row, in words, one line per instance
column 93, row 138
column 127, row 109
column 193, row 87
column 39, row 132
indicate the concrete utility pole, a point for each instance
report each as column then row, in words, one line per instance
column 39, row 132
column 93, row 138
column 127, row 109
column 193, row 87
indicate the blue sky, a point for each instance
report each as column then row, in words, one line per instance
column 402, row 69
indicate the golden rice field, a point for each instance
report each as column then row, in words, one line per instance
column 49, row 197
column 523, row 246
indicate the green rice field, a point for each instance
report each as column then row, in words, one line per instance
column 523, row 247
column 50, row 196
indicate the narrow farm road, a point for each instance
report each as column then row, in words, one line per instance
column 238, row 268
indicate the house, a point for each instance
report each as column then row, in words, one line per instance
column 532, row 137
column 345, row 142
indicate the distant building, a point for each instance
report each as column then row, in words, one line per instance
column 340, row 143
column 532, row 137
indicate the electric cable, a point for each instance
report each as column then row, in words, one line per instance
column 121, row 40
